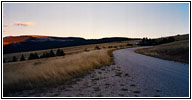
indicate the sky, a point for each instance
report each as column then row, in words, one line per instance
column 96, row 20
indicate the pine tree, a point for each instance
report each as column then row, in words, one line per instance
column 60, row 52
column 36, row 56
column 51, row 53
column 22, row 58
column 14, row 59
column 33, row 56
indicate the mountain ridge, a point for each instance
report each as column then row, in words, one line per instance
column 25, row 43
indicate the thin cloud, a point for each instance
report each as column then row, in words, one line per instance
column 24, row 23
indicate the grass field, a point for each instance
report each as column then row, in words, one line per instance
column 176, row 51
column 70, row 50
column 52, row 71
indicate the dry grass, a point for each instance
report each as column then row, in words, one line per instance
column 177, row 51
column 70, row 50
column 50, row 71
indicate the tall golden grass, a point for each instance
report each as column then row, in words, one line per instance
column 177, row 51
column 45, row 72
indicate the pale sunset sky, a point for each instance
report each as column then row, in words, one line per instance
column 96, row 20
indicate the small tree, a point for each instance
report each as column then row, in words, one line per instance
column 43, row 55
column 36, row 56
column 60, row 52
column 51, row 53
column 22, row 58
column 14, row 59
column 33, row 56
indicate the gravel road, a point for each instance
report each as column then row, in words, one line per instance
column 132, row 75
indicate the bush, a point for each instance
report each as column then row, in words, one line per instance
column 22, row 58
column 44, row 55
column 97, row 47
column 171, row 39
column 14, row 59
column 129, row 44
column 115, row 47
column 33, row 56
column 60, row 52
column 110, row 46
column 86, row 50
column 51, row 53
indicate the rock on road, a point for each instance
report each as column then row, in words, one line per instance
column 132, row 75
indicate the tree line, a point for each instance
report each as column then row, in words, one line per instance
column 148, row 42
column 59, row 52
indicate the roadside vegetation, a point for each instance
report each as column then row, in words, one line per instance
column 176, row 51
column 52, row 71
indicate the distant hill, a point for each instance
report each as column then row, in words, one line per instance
column 13, row 44
column 16, row 39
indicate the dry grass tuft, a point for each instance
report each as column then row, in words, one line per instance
column 177, row 51
column 45, row 72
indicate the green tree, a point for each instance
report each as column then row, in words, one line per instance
column 33, row 56
column 51, row 53
column 14, row 59
column 22, row 58
column 60, row 52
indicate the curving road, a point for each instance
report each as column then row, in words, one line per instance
column 132, row 75
column 169, row 77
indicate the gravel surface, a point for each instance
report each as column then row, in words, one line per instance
column 132, row 75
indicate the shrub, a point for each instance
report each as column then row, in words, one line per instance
column 97, row 47
column 115, row 47
column 44, row 55
column 60, row 52
column 110, row 46
column 51, row 53
column 86, row 50
column 22, row 58
column 33, row 56
column 171, row 39
column 129, row 44
column 14, row 59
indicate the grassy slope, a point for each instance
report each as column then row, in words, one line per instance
column 69, row 50
column 52, row 71
column 55, row 70
column 177, row 51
